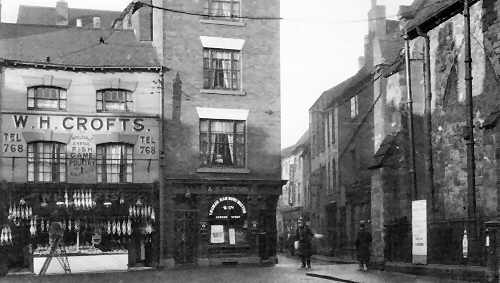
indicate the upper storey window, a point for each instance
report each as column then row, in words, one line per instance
column 223, row 9
column 114, row 100
column 221, row 69
column 46, row 162
column 46, row 98
column 222, row 143
column 354, row 106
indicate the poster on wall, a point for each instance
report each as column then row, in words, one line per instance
column 217, row 234
column 419, row 231
column 232, row 236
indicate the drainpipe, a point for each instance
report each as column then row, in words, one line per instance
column 162, row 166
column 428, row 118
column 469, row 130
column 412, row 171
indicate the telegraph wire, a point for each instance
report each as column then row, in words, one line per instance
column 191, row 13
column 140, row 4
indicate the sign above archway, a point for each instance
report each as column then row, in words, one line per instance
column 227, row 208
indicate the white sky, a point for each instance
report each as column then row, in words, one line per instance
column 321, row 41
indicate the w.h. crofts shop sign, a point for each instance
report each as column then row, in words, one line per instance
column 227, row 208
column 78, row 123
column 80, row 136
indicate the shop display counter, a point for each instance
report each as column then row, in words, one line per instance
column 85, row 262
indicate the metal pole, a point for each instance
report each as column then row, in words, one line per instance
column 428, row 120
column 412, row 171
column 162, row 168
column 469, row 134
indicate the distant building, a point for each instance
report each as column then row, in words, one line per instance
column 294, row 200
column 62, row 15
column 342, row 142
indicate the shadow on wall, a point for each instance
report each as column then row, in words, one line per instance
column 183, row 158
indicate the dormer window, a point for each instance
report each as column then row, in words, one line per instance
column 97, row 22
column 46, row 98
column 114, row 100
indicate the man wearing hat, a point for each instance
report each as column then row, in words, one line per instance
column 363, row 246
column 304, row 236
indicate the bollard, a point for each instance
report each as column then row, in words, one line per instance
column 492, row 249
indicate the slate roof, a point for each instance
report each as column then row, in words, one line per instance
column 303, row 142
column 427, row 14
column 37, row 15
column 73, row 46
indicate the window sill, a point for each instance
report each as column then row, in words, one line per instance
column 223, row 22
column 223, row 92
column 223, row 170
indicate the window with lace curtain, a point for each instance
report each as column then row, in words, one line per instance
column 46, row 162
column 223, row 9
column 222, row 143
column 221, row 69
column 114, row 163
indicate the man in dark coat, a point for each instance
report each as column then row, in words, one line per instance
column 363, row 247
column 304, row 236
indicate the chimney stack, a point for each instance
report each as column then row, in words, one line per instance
column 62, row 13
column 361, row 61
column 377, row 21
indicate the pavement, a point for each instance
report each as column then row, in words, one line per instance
column 286, row 271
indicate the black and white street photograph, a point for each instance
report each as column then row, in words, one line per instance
column 259, row 141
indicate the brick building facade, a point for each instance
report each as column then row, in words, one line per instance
column 222, row 144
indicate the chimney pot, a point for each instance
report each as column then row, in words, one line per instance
column 62, row 13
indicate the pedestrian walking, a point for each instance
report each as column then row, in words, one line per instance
column 363, row 243
column 304, row 237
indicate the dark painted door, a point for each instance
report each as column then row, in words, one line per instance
column 185, row 236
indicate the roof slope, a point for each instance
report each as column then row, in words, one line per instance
column 75, row 46
column 427, row 14
column 343, row 90
column 37, row 15
column 302, row 143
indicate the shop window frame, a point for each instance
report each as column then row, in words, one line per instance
column 125, row 165
column 55, row 159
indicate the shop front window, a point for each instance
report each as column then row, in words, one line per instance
column 46, row 98
column 114, row 163
column 222, row 143
column 228, row 224
column 46, row 162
